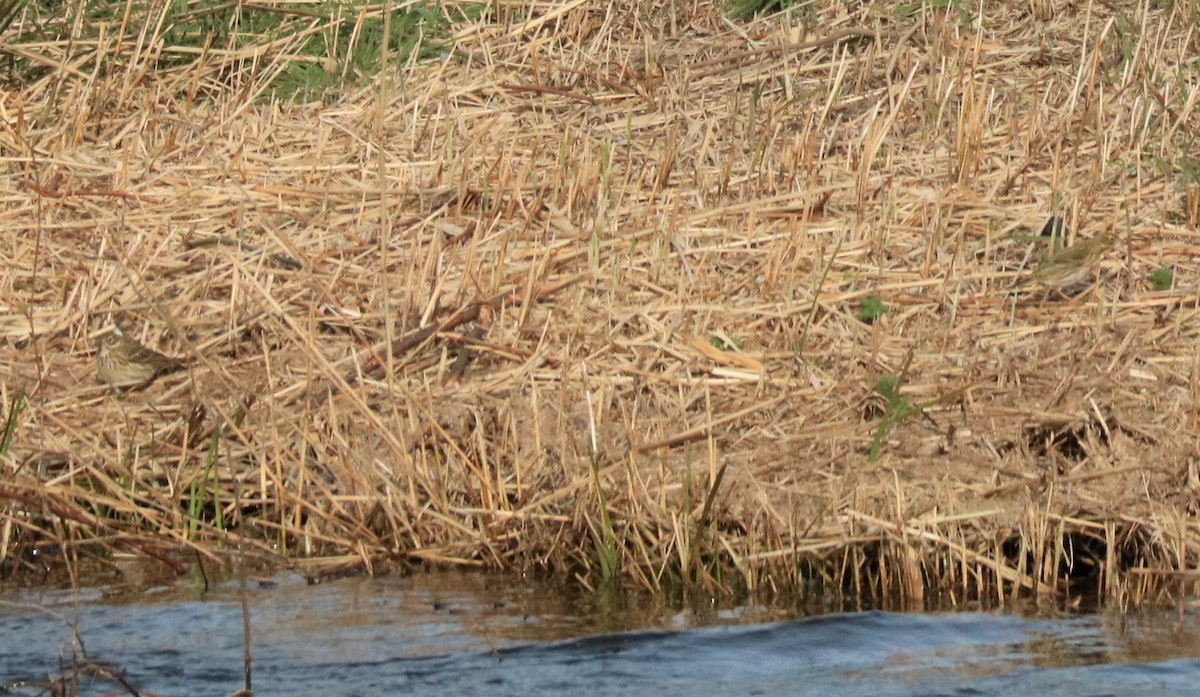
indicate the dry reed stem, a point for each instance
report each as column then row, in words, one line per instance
column 566, row 204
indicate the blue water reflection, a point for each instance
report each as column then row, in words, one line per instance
column 428, row 636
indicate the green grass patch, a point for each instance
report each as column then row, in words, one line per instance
column 871, row 308
column 311, row 51
column 605, row 537
column 749, row 9
column 10, row 424
column 895, row 411
column 1162, row 279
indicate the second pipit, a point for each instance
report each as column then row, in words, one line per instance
column 121, row 360
column 1069, row 266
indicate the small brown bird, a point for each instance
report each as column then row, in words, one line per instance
column 122, row 361
column 1069, row 266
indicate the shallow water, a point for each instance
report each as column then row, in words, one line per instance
column 455, row 634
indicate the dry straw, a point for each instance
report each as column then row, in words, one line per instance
column 581, row 294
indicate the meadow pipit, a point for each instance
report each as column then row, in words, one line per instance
column 1069, row 266
column 123, row 361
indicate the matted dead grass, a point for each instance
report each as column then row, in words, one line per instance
column 467, row 316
